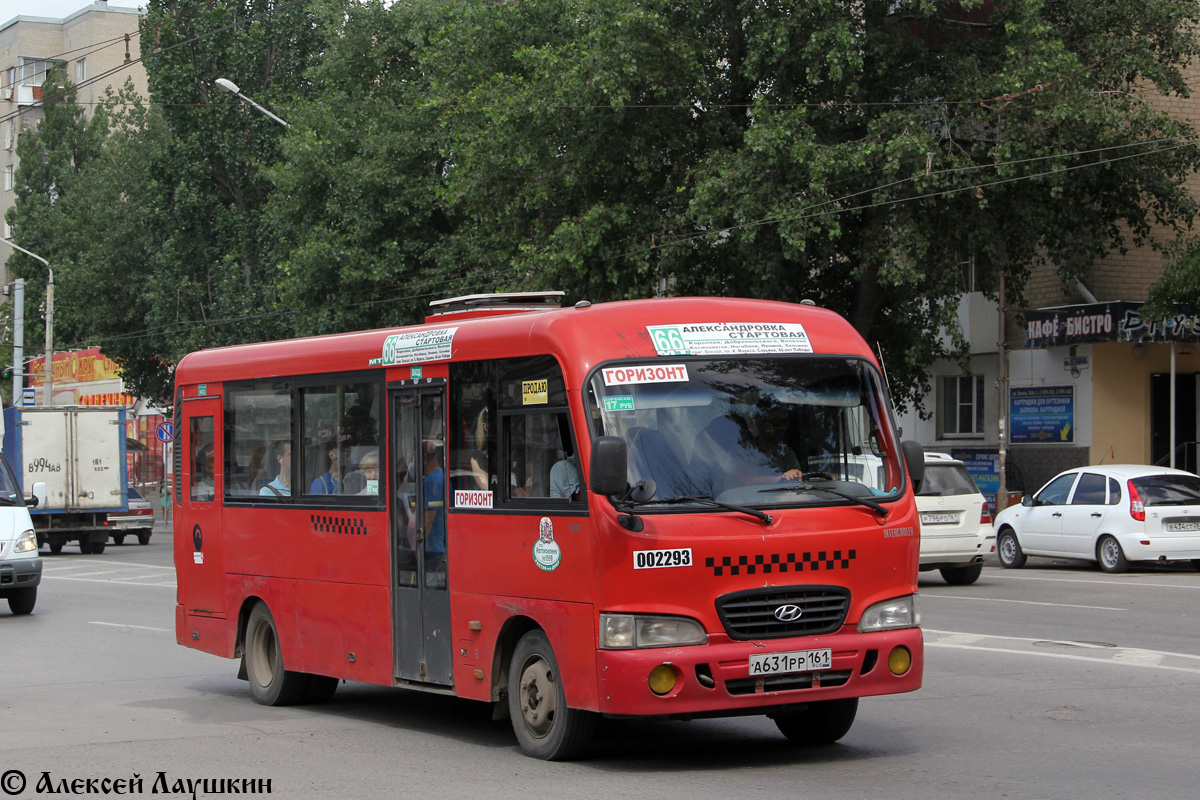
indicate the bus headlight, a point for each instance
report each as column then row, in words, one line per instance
column 630, row 631
column 900, row 612
column 26, row 543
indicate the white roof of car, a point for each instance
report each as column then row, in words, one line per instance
column 1129, row 470
column 941, row 458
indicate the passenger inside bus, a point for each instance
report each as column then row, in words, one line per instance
column 327, row 482
column 743, row 447
column 281, row 485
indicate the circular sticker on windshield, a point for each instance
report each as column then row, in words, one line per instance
column 545, row 550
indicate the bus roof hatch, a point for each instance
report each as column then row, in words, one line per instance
column 491, row 305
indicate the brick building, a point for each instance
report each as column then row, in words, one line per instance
column 1088, row 380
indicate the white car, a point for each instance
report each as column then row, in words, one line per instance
column 956, row 524
column 1111, row 514
column 20, row 564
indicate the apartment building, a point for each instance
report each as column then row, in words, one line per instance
column 97, row 45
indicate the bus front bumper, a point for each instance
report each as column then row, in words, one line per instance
column 714, row 679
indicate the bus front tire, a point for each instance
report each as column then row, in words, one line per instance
column 270, row 683
column 821, row 723
column 545, row 726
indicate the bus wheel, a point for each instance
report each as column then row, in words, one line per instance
column 270, row 683
column 22, row 601
column 821, row 723
column 546, row 727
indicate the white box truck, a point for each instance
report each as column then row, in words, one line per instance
column 70, row 464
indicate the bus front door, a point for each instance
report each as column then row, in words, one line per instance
column 421, row 599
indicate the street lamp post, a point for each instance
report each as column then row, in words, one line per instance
column 232, row 87
column 49, row 366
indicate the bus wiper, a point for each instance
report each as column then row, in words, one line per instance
column 766, row 519
column 882, row 510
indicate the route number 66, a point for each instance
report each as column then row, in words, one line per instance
column 668, row 341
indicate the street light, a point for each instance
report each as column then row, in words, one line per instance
column 49, row 399
column 232, row 88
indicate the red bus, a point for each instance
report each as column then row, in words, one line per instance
column 672, row 508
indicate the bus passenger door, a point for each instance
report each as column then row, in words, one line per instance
column 421, row 598
column 199, row 545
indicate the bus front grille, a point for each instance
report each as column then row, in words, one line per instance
column 783, row 611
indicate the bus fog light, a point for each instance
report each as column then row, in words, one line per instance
column 662, row 679
column 899, row 660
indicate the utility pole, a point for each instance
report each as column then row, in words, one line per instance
column 18, row 339
column 48, row 399
column 1002, row 386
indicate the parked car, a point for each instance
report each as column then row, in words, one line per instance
column 138, row 520
column 20, row 564
column 1111, row 514
column 956, row 523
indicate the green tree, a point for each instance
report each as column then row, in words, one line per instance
column 855, row 153
column 213, row 267
column 53, row 155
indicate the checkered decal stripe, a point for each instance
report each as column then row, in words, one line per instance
column 341, row 525
column 781, row 563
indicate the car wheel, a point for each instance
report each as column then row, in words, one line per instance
column 21, row 601
column 143, row 537
column 270, row 683
column 962, row 576
column 118, row 538
column 821, row 723
column 1109, row 555
column 1009, row 549
column 546, row 727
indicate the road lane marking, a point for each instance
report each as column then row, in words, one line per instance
column 57, row 565
column 1115, row 581
column 1194, row 670
column 925, row 596
column 1121, row 656
column 132, row 627
column 111, row 582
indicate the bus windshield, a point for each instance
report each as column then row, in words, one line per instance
column 766, row 431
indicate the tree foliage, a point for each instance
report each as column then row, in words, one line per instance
column 864, row 154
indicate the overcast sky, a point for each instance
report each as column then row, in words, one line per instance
column 56, row 9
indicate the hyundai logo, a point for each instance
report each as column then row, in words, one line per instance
column 788, row 613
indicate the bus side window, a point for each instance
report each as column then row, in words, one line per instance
column 258, row 421
column 200, row 442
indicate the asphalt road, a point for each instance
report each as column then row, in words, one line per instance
column 1055, row 681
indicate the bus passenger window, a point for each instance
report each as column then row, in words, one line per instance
column 543, row 455
column 200, row 439
column 340, row 453
column 258, row 421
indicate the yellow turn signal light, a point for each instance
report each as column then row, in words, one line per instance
column 899, row 660
column 662, row 680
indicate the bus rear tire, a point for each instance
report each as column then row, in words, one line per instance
column 270, row 683
column 545, row 726
column 821, row 723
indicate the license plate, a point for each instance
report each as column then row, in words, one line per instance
column 1179, row 527
column 796, row 661
column 939, row 519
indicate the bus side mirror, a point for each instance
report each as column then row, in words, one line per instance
column 914, row 459
column 39, row 495
column 609, row 473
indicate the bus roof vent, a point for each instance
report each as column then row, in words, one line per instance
column 491, row 305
